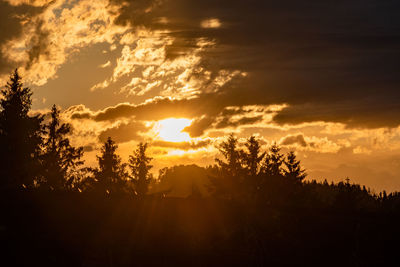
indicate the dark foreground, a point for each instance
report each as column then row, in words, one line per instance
column 68, row 229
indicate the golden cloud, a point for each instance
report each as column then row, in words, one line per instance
column 50, row 37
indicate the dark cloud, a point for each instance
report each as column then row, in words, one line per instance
column 11, row 19
column 182, row 145
column 367, row 113
column 310, row 55
column 38, row 45
column 160, row 108
column 88, row 148
column 227, row 122
column 198, row 126
column 124, row 132
column 294, row 139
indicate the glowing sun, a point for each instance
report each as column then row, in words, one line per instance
column 171, row 129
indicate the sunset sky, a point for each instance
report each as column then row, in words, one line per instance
column 319, row 77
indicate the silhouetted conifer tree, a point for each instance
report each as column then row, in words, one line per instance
column 293, row 170
column 20, row 136
column 60, row 159
column 253, row 156
column 140, row 167
column 273, row 161
column 252, row 159
column 384, row 195
column 111, row 175
column 229, row 178
column 232, row 166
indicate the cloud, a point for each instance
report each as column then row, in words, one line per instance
column 105, row 65
column 182, row 145
column 223, row 120
column 373, row 112
column 314, row 61
column 361, row 150
column 124, row 132
column 12, row 20
column 227, row 122
column 211, row 23
column 155, row 109
column 310, row 56
column 29, row 2
column 294, row 139
column 313, row 143
column 320, row 58
column 144, row 61
column 88, row 148
column 198, row 126
column 48, row 38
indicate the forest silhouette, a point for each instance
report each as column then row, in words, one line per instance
column 251, row 208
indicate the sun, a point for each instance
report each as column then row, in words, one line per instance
column 171, row 129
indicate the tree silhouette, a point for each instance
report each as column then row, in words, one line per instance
column 140, row 167
column 293, row 169
column 20, row 136
column 232, row 166
column 253, row 156
column 110, row 176
column 273, row 161
column 230, row 172
column 59, row 157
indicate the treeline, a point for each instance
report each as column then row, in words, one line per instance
column 39, row 156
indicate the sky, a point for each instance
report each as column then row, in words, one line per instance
column 319, row 77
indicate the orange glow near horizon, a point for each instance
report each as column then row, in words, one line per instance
column 170, row 130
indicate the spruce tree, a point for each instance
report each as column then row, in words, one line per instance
column 140, row 167
column 59, row 159
column 110, row 176
column 232, row 166
column 252, row 159
column 228, row 182
column 293, row 170
column 20, row 136
column 253, row 156
column 273, row 161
